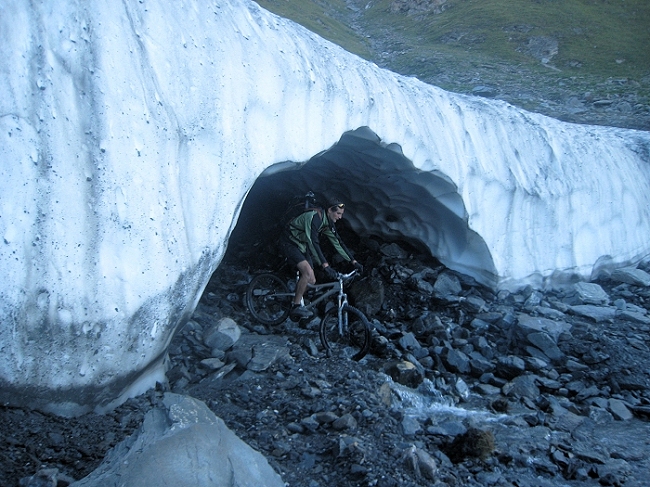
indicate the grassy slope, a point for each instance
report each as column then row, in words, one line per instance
column 327, row 18
column 603, row 45
column 596, row 33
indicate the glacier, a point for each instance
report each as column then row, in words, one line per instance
column 132, row 133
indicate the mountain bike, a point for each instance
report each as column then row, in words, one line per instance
column 342, row 327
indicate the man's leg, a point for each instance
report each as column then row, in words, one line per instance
column 303, row 264
column 306, row 277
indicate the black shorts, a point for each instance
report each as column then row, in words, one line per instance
column 293, row 253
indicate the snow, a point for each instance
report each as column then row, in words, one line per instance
column 131, row 133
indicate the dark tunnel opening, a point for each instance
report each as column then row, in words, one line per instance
column 387, row 198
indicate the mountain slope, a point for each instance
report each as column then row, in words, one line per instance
column 585, row 61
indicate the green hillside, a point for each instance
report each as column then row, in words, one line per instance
column 530, row 49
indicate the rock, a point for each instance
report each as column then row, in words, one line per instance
column 413, row 7
column 345, row 422
column 586, row 393
column 258, row 353
column 542, row 48
column 634, row 316
column 485, row 91
column 47, row 477
column 564, row 420
column 448, row 428
column 410, row 426
column 419, row 284
column 393, row 250
column 510, row 367
column 536, row 364
column 600, row 415
column 222, row 335
column 183, row 441
column 588, row 293
column 481, row 345
column 549, row 384
column 474, row 304
column 455, row 360
column 619, row 410
column 596, row 313
column 523, row 386
column 487, row 389
column 479, row 325
column 212, row 363
column 461, row 388
column 550, row 313
column 368, row 295
column 349, row 446
column 264, row 355
column 447, row 284
column 631, row 275
column 420, row 462
column 527, row 324
column 325, row 417
column 405, row 373
column 533, row 300
column 409, row 342
column 426, row 324
column 543, row 342
column 574, row 366
column 480, row 365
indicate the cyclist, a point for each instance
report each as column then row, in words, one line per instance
column 300, row 243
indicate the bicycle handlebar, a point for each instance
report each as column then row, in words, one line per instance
column 340, row 275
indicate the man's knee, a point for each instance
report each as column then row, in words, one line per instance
column 307, row 273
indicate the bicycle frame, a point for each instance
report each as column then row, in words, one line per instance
column 334, row 287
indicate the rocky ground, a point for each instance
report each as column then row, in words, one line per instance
column 462, row 388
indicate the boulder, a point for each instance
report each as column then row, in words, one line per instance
column 527, row 324
column 183, row 443
column 588, row 293
column 222, row 335
column 631, row 275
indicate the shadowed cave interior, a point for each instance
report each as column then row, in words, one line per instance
column 386, row 196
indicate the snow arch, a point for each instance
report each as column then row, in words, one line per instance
column 386, row 195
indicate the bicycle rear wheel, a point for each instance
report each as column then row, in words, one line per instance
column 268, row 299
column 353, row 339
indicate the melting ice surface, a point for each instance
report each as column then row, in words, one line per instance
column 132, row 132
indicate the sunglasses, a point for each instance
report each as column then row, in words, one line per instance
column 339, row 205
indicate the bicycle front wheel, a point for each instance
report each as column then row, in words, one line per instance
column 351, row 338
column 268, row 299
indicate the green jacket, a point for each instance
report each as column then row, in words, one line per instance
column 305, row 230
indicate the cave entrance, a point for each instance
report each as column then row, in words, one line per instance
column 386, row 197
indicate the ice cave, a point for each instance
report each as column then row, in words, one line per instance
column 386, row 196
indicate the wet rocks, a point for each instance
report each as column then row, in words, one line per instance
column 462, row 387
column 526, row 365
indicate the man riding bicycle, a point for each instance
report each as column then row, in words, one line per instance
column 300, row 243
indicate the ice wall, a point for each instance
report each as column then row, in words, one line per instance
column 130, row 133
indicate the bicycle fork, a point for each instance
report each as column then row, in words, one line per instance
column 342, row 317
